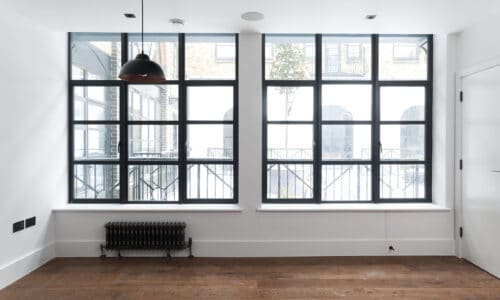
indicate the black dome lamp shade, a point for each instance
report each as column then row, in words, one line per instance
column 141, row 69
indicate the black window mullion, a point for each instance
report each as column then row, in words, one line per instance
column 403, row 122
column 124, row 49
column 96, row 122
column 290, row 122
column 264, row 119
column 428, row 118
column 236, row 124
column 182, row 171
column 88, row 83
column 209, row 122
column 274, row 82
column 123, row 143
column 402, row 162
column 153, row 122
column 376, row 121
column 317, row 143
column 71, row 166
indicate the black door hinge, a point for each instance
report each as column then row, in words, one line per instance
column 461, row 164
column 461, row 232
column 461, row 96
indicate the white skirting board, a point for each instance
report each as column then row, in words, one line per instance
column 408, row 247
column 26, row 264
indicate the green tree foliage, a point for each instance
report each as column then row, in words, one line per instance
column 288, row 64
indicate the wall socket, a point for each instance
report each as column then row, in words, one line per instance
column 30, row 222
column 18, row 226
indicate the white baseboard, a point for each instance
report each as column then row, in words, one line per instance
column 26, row 264
column 417, row 247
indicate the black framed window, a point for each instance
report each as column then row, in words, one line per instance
column 174, row 142
column 352, row 124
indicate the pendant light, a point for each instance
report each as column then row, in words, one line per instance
column 142, row 69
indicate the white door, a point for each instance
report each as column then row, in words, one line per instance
column 481, row 169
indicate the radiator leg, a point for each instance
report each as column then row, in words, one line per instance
column 168, row 254
column 103, row 252
column 120, row 254
column 190, row 245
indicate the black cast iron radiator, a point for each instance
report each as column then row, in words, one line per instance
column 166, row 236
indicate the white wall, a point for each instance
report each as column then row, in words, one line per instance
column 33, row 139
column 478, row 44
column 257, row 233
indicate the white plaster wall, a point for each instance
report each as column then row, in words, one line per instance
column 33, row 139
column 478, row 44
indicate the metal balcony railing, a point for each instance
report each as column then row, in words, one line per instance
column 340, row 182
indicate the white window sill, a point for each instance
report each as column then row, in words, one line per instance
column 354, row 207
column 149, row 208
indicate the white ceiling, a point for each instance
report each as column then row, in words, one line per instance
column 281, row 16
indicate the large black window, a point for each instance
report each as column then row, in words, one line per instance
column 174, row 142
column 347, row 118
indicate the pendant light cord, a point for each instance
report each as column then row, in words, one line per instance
column 142, row 25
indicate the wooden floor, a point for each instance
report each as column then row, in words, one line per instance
column 257, row 278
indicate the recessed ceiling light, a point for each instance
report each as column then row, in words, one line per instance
column 252, row 16
column 371, row 17
column 129, row 15
column 177, row 22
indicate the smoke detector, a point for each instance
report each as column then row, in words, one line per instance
column 177, row 22
column 252, row 16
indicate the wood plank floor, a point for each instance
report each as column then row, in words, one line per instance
column 257, row 278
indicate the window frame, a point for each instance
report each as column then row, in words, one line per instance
column 375, row 162
column 123, row 122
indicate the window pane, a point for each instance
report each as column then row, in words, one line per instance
column 293, row 57
column 210, row 181
column 402, row 181
column 402, row 103
column 402, row 142
column 346, row 142
column 290, row 103
column 210, row 141
column 153, row 141
column 346, row 183
column 289, row 181
column 153, row 102
column 96, row 141
column 210, row 57
column 210, row 103
column 96, row 103
column 96, row 182
column 95, row 56
column 290, row 142
column 403, row 58
column 346, row 58
column 161, row 48
column 346, row 102
column 153, row 183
